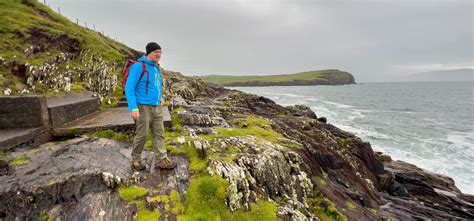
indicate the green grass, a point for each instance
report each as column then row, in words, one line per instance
column 172, row 203
column 206, row 201
column 144, row 214
column 325, row 209
column 176, row 203
column 110, row 134
column 302, row 78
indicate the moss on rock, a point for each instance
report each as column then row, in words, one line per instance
column 130, row 193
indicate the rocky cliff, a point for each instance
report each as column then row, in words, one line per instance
column 240, row 157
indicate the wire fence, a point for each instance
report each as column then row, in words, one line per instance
column 91, row 28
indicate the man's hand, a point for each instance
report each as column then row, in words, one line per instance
column 162, row 102
column 135, row 115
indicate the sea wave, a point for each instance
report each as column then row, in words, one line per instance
column 283, row 94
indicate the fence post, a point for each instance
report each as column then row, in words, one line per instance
column 85, row 23
column 44, row 1
column 94, row 27
column 59, row 10
column 77, row 21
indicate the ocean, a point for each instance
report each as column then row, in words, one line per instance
column 429, row 124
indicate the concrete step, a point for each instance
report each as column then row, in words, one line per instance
column 71, row 107
column 24, row 121
column 19, row 137
column 117, row 119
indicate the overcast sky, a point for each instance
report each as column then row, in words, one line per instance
column 374, row 40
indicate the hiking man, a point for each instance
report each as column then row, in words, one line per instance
column 144, row 98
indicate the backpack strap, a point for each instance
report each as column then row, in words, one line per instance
column 147, row 76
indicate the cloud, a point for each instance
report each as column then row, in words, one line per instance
column 371, row 39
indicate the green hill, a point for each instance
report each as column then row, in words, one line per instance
column 42, row 52
column 320, row 77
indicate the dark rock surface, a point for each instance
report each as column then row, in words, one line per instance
column 61, row 174
column 77, row 179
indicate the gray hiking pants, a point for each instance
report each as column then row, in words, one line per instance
column 150, row 117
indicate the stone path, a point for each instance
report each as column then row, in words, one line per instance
column 117, row 119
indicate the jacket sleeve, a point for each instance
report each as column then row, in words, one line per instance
column 132, row 81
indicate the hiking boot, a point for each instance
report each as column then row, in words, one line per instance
column 137, row 165
column 165, row 164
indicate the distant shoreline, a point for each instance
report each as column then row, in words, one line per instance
column 309, row 78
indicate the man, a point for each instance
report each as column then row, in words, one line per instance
column 144, row 98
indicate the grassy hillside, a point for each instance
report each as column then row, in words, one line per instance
column 43, row 52
column 321, row 77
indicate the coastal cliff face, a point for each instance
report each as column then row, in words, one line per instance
column 240, row 157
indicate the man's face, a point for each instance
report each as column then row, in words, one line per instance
column 154, row 56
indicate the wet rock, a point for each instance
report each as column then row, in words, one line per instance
column 188, row 118
column 206, row 130
column 3, row 167
column 63, row 174
column 181, row 140
column 178, row 102
column 199, row 149
column 102, row 205
column 302, row 110
column 382, row 157
column 414, row 192
column 322, row 120
column 201, row 120
column 286, row 212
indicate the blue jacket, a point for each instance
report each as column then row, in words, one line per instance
column 135, row 90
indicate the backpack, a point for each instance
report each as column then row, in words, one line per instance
column 126, row 70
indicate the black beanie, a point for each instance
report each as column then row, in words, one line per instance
column 152, row 46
